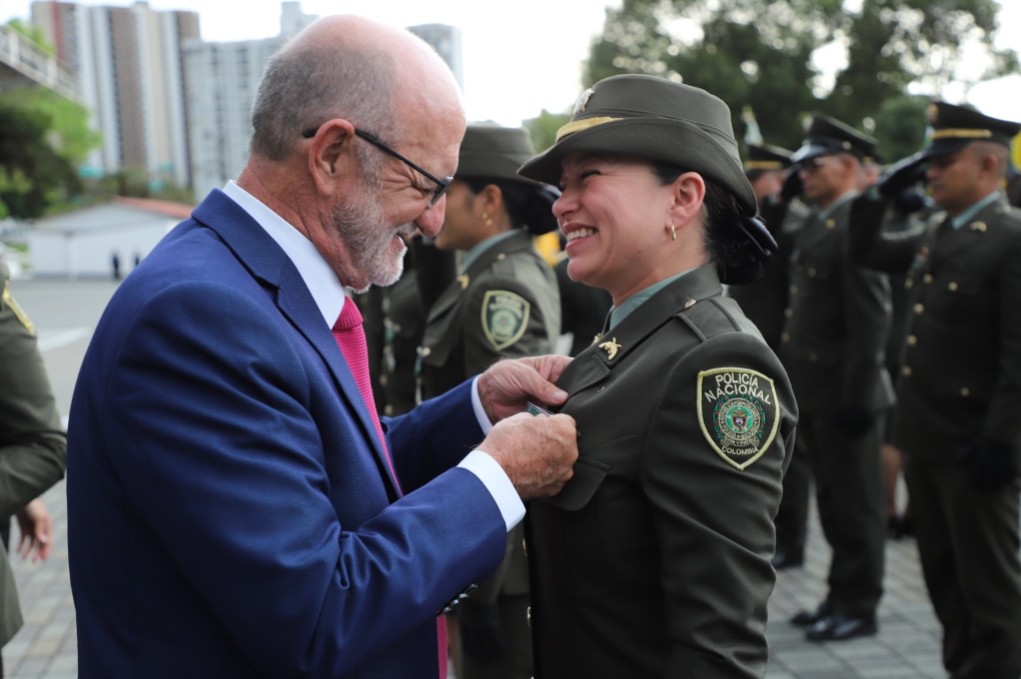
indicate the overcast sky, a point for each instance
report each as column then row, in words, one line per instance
column 517, row 60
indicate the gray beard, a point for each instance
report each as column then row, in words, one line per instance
column 368, row 240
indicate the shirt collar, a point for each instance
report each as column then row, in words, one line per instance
column 479, row 248
column 969, row 214
column 319, row 276
column 618, row 314
column 825, row 212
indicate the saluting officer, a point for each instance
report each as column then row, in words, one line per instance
column 764, row 302
column 503, row 304
column 959, row 392
column 654, row 559
column 833, row 349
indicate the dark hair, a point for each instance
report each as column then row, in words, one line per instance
column 526, row 204
column 721, row 210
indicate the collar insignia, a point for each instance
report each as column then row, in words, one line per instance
column 611, row 348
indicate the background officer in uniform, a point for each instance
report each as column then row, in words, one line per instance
column 655, row 563
column 33, row 446
column 504, row 303
column 764, row 302
column 959, row 392
column 833, row 350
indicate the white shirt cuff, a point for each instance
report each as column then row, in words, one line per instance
column 480, row 412
column 496, row 481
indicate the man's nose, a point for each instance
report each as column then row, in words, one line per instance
column 431, row 219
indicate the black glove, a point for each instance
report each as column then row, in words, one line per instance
column 902, row 174
column 792, row 186
column 911, row 199
column 482, row 635
column 855, row 421
column 992, row 464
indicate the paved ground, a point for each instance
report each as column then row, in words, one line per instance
column 66, row 313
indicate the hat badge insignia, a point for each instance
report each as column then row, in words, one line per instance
column 932, row 113
column 583, row 101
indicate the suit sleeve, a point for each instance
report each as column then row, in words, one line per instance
column 503, row 319
column 208, row 418
column 1001, row 421
column 33, row 446
column 873, row 244
column 867, row 317
column 715, row 522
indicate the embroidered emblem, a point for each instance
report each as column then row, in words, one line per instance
column 738, row 413
column 596, row 338
column 504, row 317
column 611, row 348
column 8, row 300
column 579, row 107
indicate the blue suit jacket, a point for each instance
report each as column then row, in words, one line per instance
column 230, row 510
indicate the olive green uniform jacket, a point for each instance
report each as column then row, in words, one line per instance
column 654, row 560
column 33, row 447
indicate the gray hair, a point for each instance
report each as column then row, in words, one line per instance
column 303, row 87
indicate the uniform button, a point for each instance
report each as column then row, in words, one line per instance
column 919, row 309
column 906, row 370
column 811, row 272
column 524, row 546
column 965, row 392
column 908, row 283
column 912, row 340
column 501, row 256
column 952, row 287
column 388, row 410
column 794, row 289
column 397, row 327
column 382, row 380
column 927, row 278
column 830, row 223
column 813, row 358
column 788, row 312
column 426, row 350
column 785, row 337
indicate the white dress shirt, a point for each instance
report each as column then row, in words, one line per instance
column 328, row 293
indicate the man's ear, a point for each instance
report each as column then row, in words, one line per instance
column 331, row 155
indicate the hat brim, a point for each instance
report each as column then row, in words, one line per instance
column 658, row 139
column 484, row 165
column 809, row 151
column 944, row 147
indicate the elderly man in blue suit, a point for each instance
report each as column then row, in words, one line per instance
column 235, row 507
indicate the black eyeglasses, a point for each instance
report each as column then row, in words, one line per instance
column 442, row 184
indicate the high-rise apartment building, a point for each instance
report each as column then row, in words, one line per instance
column 130, row 64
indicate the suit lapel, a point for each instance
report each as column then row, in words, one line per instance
column 268, row 263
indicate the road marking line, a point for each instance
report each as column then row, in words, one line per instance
column 49, row 343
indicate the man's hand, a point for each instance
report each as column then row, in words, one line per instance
column 36, row 531
column 537, row 453
column 507, row 387
column 993, row 465
column 902, row 174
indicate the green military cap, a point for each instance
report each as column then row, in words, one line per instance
column 765, row 159
column 655, row 119
column 954, row 127
column 489, row 150
column 825, row 136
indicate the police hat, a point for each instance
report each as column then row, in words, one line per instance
column 655, row 119
column 765, row 159
column 825, row 136
column 489, row 150
column 954, row 127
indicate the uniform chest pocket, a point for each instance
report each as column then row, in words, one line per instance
column 955, row 296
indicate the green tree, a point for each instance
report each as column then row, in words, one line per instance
column 900, row 126
column 69, row 132
column 33, row 175
column 544, row 128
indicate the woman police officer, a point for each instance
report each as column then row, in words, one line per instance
column 654, row 561
column 505, row 303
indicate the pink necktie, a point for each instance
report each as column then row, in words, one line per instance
column 350, row 338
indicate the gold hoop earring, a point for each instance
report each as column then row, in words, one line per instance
column 673, row 232
column 486, row 219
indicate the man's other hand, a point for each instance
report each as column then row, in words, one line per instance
column 507, row 387
column 537, row 453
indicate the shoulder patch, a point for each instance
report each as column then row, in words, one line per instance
column 738, row 412
column 8, row 300
column 504, row 317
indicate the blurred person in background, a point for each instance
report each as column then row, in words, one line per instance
column 504, row 303
column 33, row 448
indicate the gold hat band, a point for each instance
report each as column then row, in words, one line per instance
column 951, row 133
column 763, row 165
column 579, row 125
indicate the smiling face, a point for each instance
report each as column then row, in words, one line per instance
column 614, row 213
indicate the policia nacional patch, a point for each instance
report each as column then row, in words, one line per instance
column 504, row 317
column 738, row 412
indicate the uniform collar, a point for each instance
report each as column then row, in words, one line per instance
column 320, row 278
column 969, row 214
column 618, row 314
column 475, row 252
column 824, row 213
